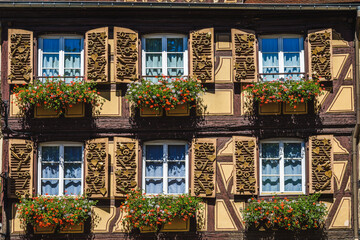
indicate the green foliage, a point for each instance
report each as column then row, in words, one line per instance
column 304, row 212
column 164, row 94
column 56, row 211
column 55, row 94
column 153, row 211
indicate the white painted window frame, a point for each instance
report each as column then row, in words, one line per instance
column 282, row 176
column 165, row 177
column 61, row 178
column 61, row 52
column 164, row 52
column 280, row 38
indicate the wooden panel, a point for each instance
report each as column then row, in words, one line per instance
column 320, row 51
column 96, row 168
column 125, row 163
column 245, row 165
column 203, row 167
column 321, row 164
column 126, row 55
column 20, row 49
column 20, row 167
column 201, row 50
column 96, row 55
column 244, row 54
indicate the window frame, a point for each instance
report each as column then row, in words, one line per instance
column 281, row 166
column 165, row 144
column 281, row 66
column 61, row 38
column 61, row 178
column 164, row 52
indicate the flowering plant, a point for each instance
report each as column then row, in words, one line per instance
column 153, row 211
column 292, row 214
column 55, row 94
column 288, row 91
column 164, row 94
column 54, row 211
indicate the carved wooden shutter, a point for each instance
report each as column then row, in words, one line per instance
column 203, row 175
column 126, row 55
column 125, row 164
column 320, row 51
column 321, row 164
column 20, row 52
column 21, row 154
column 244, row 55
column 201, row 48
column 245, row 165
column 96, row 168
column 96, row 50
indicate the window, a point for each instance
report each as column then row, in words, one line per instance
column 61, row 56
column 60, row 169
column 282, row 165
column 165, row 168
column 283, row 55
column 165, row 55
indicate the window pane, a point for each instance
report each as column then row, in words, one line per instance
column 50, row 61
column 73, row 154
column 72, row 170
column 154, row 152
column 50, row 72
column 154, row 169
column 270, row 184
column 292, row 167
column 51, row 45
column 50, row 153
column 154, row 186
column 176, row 186
column 291, row 45
column 270, row 150
column 153, row 45
column 72, row 45
column 270, row 45
column 292, row 150
column 71, row 72
column 175, row 60
column 176, row 152
column 270, row 167
column 50, row 170
column 270, row 60
column 50, row 187
column 72, row 187
column 153, row 60
column 153, row 72
column 292, row 59
column 293, row 184
column 176, row 169
column 175, row 45
column 175, row 72
column 72, row 61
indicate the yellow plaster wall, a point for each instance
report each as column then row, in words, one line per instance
column 338, row 148
column 246, row 102
column 223, row 219
column 342, row 218
column 201, row 217
column 118, row 225
column 14, row 109
column 339, row 171
column 238, row 206
column 223, row 41
column 338, row 63
column 219, row 102
column 224, row 71
column 227, row 150
column 15, row 222
column 321, row 99
column 343, row 101
column 111, row 106
column 101, row 218
column 226, row 171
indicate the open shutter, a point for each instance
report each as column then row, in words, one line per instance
column 321, row 164
column 21, row 154
column 201, row 48
column 96, row 55
column 125, row 164
column 20, row 52
column 319, row 52
column 245, row 165
column 96, row 168
column 126, row 55
column 244, row 55
column 203, row 174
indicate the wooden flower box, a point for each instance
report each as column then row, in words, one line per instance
column 270, row 109
column 44, row 230
column 73, row 228
column 78, row 110
column 180, row 110
column 177, row 225
column 301, row 108
column 149, row 112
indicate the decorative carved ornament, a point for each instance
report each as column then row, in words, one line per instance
column 320, row 54
column 21, row 167
column 126, row 54
column 202, row 55
column 204, row 167
column 97, row 55
column 244, row 158
column 321, row 159
column 20, row 48
column 244, row 44
column 125, row 165
column 96, row 170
